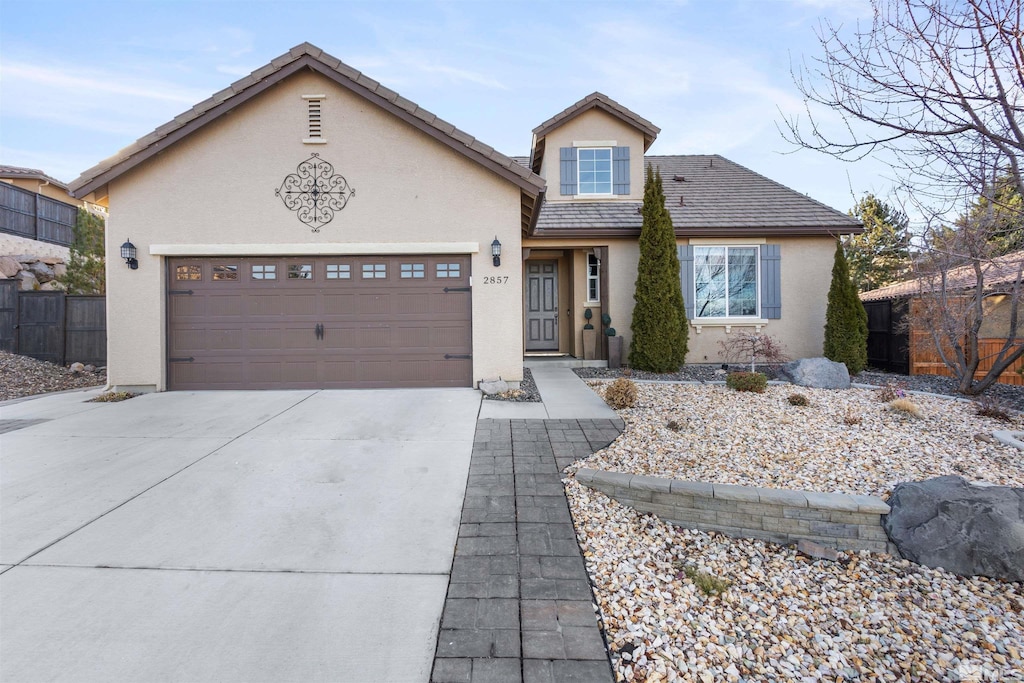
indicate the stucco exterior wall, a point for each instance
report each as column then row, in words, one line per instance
column 593, row 125
column 806, row 274
column 216, row 188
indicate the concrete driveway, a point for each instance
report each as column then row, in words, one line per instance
column 230, row 536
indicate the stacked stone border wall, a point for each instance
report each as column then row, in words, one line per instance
column 837, row 520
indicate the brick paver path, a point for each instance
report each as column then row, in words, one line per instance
column 519, row 605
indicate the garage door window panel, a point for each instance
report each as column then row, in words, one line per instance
column 300, row 271
column 375, row 271
column 264, row 271
column 449, row 270
column 225, row 272
column 189, row 273
column 412, row 271
column 339, row 271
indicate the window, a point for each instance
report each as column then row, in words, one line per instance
column 412, row 270
column 264, row 272
column 338, row 271
column 725, row 282
column 375, row 271
column 300, row 271
column 449, row 270
column 225, row 272
column 188, row 273
column 593, row 278
column 595, row 169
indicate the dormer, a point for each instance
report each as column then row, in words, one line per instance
column 593, row 151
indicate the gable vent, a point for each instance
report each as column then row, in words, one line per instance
column 314, row 119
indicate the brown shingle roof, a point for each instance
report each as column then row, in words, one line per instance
column 601, row 101
column 301, row 57
column 705, row 195
column 1001, row 270
column 31, row 174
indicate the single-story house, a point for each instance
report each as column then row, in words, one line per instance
column 894, row 315
column 308, row 227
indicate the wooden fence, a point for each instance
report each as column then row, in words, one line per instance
column 925, row 360
column 31, row 215
column 53, row 326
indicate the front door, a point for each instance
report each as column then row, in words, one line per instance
column 542, row 305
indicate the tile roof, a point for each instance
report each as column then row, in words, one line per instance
column 1001, row 270
column 598, row 100
column 705, row 195
column 302, row 56
column 30, row 173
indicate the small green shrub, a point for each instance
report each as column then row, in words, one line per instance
column 798, row 400
column 621, row 393
column 991, row 406
column 747, row 381
column 707, row 583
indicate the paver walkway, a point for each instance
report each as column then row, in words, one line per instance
column 519, row 604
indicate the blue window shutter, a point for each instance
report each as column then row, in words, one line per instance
column 620, row 170
column 568, row 170
column 685, row 252
column 771, row 281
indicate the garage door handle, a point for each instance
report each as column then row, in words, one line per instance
column 450, row 356
column 319, row 331
column 181, row 360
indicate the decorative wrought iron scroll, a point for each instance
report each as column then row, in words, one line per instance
column 315, row 192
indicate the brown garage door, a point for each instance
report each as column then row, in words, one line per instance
column 319, row 322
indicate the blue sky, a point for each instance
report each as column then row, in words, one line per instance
column 80, row 80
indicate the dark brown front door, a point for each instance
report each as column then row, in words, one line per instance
column 542, row 305
column 319, row 322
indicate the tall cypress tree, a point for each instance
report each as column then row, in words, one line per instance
column 660, row 329
column 86, row 273
column 846, row 321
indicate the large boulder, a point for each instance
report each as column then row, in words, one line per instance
column 490, row 387
column 817, row 373
column 9, row 267
column 42, row 271
column 964, row 528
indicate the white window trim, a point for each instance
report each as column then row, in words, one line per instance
column 611, row 170
column 729, row 320
column 596, row 277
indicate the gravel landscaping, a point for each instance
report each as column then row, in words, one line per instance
column 526, row 393
column 684, row 605
column 730, row 437
column 782, row 616
column 22, row 376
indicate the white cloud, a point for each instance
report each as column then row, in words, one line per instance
column 82, row 82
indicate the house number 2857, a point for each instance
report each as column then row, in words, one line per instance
column 495, row 279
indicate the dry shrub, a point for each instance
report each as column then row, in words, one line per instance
column 798, row 400
column 621, row 394
column 907, row 406
column 852, row 417
column 991, row 406
column 891, row 391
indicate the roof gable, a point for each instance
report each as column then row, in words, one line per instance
column 16, row 172
column 305, row 56
column 1001, row 270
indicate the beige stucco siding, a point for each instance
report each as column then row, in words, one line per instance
column 806, row 272
column 217, row 187
column 593, row 126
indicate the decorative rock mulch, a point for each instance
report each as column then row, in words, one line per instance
column 526, row 393
column 728, row 437
column 23, row 376
column 782, row 616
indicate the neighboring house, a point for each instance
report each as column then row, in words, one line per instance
column 897, row 341
column 337, row 235
column 37, row 213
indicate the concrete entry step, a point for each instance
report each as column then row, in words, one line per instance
column 531, row 361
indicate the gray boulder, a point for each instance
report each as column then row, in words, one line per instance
column 817, row 373
column 9, row 267
column 963, row 528
column 42, row 271
column 28, row 281
column 493, row 386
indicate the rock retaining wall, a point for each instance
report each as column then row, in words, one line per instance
column 33, row 273
column 837, row 520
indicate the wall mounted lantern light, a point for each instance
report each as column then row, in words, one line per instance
column 128, row 254
column 496, row 251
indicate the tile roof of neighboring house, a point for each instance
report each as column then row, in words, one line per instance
column 301, row 57
column 598, row 100
column 1001, row 270
column 31, row 174
column 712, row 196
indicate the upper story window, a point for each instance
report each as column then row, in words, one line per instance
column 593, row 279
column 595, row 170
column 725, row 282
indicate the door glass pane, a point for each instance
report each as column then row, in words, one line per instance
column 225, row 272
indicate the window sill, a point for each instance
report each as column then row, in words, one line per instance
column 729, row 323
